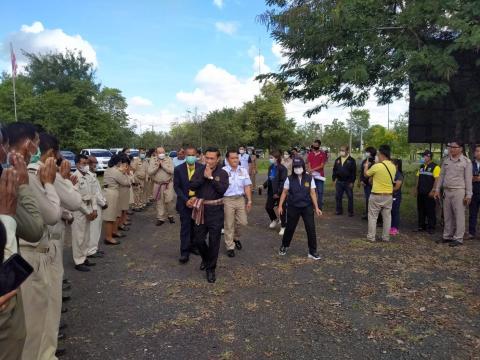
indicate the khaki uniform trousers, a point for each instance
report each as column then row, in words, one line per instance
column 235, row 216
column 454, row 214
column 35, row 295
column 54, row 311
column 80, row 237
column 379, row 204
column 95, row 233
column 12, row 329
column 138, row 196
column 165, row 202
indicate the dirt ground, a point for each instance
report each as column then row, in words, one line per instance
column 408, row 299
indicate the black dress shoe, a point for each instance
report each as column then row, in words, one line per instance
column 211, row 276
column 455, row 243
column 60, row 352
column 124, row 228
column 443, row 241
column 66, row 281
column 183, row 259
column 171, row 220
column 118, row 235
column 66, row 298
column 64, row 310
column 231, row 253
column 160, row 222
column 89, row 263
column 95, row 256
column 61, row 336
column 130, row 212
column 203, row 266
column 106, row 242
column 63, row 325
column 338, row 213
column 82, row 268
column 238, row 244
column 66, row 287
column 101, row 252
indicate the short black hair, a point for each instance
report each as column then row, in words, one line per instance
column 230, row 151
column 114, row 160
column 399, row 164
column 80, row 157
column 385, row 150
column 371, row 150
column 141, row 149
column 48, row 142
column 318, row 142
column 458, row 142
column 150, row 152
column 191, row 147
column 213, row 149
column 124, row 159
column 3, row 132
column 20, row 131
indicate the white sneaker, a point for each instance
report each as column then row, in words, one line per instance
column 223, row 231
column 274, row 224
column 282, row 231
column 314, row 256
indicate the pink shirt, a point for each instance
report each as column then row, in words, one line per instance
column 317, row 159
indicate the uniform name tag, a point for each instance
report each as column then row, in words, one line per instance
column 307, row 184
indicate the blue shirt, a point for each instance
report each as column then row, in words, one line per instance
column 238, row 180
column 273, row 172
column 177, row 161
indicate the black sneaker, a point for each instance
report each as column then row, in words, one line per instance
column 283, row 250
column 231, row 253
column 455, row 243
column 171, row 220
column 89, row 263
column 82, row 268
column 314, row 256
column 238, row 244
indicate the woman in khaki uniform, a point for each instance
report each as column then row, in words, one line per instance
column 124, row 194
column 113, row 178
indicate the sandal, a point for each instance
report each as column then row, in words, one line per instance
column 107, row 242
column 119, row 235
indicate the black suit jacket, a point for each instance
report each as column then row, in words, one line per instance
column 181, row 184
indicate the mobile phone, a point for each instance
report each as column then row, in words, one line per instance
column 13, row 273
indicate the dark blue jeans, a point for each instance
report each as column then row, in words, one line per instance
column 473, row 216
column 319, row 184
column 340, row 188
column 397, row 200
column 367, row 190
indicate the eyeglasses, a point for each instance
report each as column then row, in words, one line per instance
column 453, row 147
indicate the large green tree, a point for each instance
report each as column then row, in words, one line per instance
column 339, row 50
column 335, row 135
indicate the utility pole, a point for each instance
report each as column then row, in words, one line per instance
column 388, row 116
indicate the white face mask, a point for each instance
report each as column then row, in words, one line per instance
column 84, row 169
column 241, row 151
column 298, row 171
column 343, row 153
column 161, row 156
column 376, row 159
column 445, row 152
column 367, row 155
column 286, row 156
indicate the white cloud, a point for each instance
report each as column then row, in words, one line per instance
column 259, row 65
column 138, row 101
column 227, row 27
column 161, row 120
column 218, row 3
column 37, row 39
column 279, row 52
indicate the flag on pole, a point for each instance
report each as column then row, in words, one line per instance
column 14, row 61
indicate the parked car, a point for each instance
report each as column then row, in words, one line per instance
column 70, row 156
column 103, row 157
column 133, row 152
column 172, row 154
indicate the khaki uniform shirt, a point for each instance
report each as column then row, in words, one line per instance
column 84, row 187
column 48, row 203
column 456, row 174
column 161, row 174
column 114, row 178
column 28, row 217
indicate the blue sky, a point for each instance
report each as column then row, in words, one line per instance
column 166, row 56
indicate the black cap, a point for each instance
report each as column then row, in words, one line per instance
column 298, row 162
column 427, row 153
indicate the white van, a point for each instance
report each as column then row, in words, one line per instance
column 103, row 157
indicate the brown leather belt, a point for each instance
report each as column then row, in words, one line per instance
column 382, row 194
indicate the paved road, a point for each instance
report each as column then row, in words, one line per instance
column 408, row 299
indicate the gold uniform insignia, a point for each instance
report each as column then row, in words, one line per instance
column 217, row 178
column 307, row 184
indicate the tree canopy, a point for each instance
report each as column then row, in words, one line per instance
column 339, row 51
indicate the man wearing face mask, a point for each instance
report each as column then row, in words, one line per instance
column 344, row 175
column 180, row 158
column 427, row 177
column 302, row 202
column 245, row 159
column 365, row 182
column 82, row 222
column 139, row 169
column 161, row 170
column 36, row 289
column 185, row 197
column 316, row 161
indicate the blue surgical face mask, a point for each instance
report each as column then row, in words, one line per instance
column 142, row 156
column 422, row 161
column 36, row 157
column 272, row 161
column 191, row 159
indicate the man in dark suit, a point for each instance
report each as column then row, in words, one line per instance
column 181, row 184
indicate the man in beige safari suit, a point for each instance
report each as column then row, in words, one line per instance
column 161, row 172
column 456, row 181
